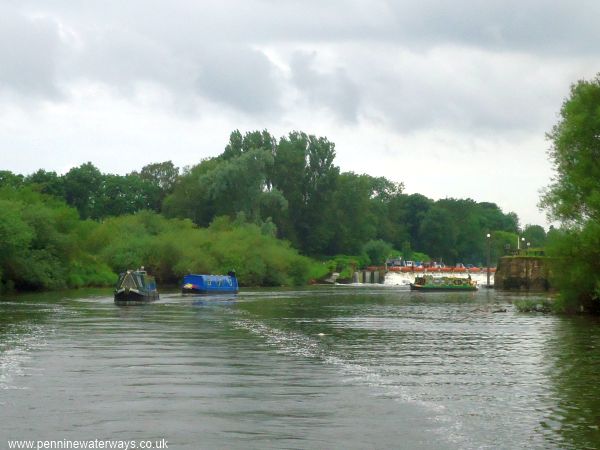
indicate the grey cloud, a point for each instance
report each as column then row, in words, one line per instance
column 29, row 55
column 332, row 89
column 120, row 57
column 458, row 89
column 549, row 27
column 208, row 50
column 240, row 77
column 534, row 26
column 114, row 46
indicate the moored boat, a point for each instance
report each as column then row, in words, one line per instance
column 135, row 286
column 210, row 284
column 429, row 283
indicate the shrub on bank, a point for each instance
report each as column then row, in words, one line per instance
column 171, row 248
column 44, row 245
column 41, row 243
column 90, row 272
column 575, row 269
column 535, row 305
column 345, row 265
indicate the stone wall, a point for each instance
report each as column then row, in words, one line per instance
column 529, row 273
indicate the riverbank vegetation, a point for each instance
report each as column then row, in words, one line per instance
column 279, row 211
column 536, row 305
column 44, row 245
column 574, row 199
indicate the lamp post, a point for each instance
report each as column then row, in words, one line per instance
column 488, row 237
column 522, row 242
column 528, row 269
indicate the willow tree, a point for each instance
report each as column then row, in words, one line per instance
column 305, row 173
column 573, row 197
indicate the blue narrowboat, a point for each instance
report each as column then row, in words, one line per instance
column 135, row 286
column 210, row 284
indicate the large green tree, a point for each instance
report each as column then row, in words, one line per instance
column 305, row 173
column 162, row 176
column 190, row 197
column 417, row 206
column 83, row 189
column 47, row 182
column 574, row 196
column 438, row 233
column 125, row 194
column 237, row 181
column 355, row 220
column 535, row 235
column 240, row 185
column 7, row 178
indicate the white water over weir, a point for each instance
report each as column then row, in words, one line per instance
column 405, row 278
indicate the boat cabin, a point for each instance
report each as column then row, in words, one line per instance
column 208, row 284
column 135, row 285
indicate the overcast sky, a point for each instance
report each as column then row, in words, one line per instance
column 451, row 98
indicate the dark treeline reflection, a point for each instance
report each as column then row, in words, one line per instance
column 574, row 420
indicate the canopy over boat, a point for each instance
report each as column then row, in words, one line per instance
column 431, row 283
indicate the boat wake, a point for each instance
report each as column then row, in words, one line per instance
column 296, row 344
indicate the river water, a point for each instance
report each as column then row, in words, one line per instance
column 332, row 367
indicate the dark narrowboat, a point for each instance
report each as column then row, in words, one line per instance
column 135, row 286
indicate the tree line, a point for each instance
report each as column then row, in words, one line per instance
column 45, row 245
column 293, row 187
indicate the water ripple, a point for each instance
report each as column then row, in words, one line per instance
column 313, row 368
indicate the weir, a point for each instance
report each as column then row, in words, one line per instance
column 405, row 278
column 368, row 277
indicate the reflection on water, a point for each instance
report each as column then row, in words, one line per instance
column 574, row 351
column 325, row 367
